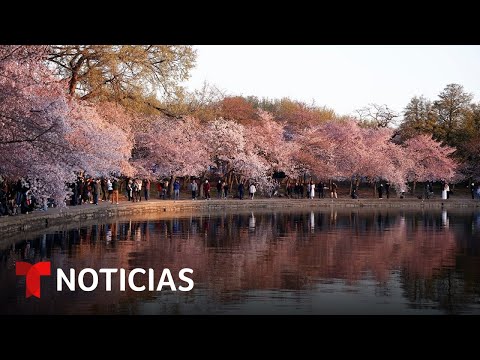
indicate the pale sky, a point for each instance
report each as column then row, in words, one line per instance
column 344, row 78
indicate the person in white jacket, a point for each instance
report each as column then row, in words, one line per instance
column 252, row 190
column 446, row 189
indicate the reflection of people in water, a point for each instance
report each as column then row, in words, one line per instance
column 43, row 247
column 206, row 225
column 175, row 226
column 251, row 222
column 26, row 252
column 445, row 221
column 137, row 234
column 108, row 236
column 333, row 217
column 287, row 250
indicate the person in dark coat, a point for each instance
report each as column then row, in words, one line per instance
column 206, row 189
column 380, row 191
column 354, row 193
column 85, row 191
column 241, row 189
column 321, row 193
column 146, row 189
column 103, row 186
column 219, row 189
column 73, row 187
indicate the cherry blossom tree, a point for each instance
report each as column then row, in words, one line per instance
column 269, row 142
column 33, row 113
column 171, row 148
column 250, row 152
column 46, row 137
column 314, row 153
column 98, row 147
column 431, row 160
column 382, row 159
column 344, row 150
column 226, row 142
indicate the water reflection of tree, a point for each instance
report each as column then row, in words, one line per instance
column 231, row 253
column 445, row 290
column 453, row 286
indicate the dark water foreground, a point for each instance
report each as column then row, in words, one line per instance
column 315, row 262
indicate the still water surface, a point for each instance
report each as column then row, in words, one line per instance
column 322, row 262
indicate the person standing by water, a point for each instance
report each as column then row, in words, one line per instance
column 146, row 189
column 219, row 189
column 96, row 188
column 321, row 193
column 194, row 187
column 86, row 191
column 240, row 190
column 176, row 189
column 252, row 190
column 472, row 189
column 103, row 186
column 387, row 190
column 445, row 191
column 159, row 189
column 380, row 191
column 290, row 190
column 354, row 193
column 333, row 190
column 109, row 189
column 296, row 190
column 115, row 191
column 165, row 190
column 225, row 189
column 138, row 190
column 129, row 189
column 428, row 194
column 206, row 190
column 312, row 190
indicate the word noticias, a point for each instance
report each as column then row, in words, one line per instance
column 138, row 279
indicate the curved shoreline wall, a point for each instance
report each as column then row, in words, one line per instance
column 56, row 217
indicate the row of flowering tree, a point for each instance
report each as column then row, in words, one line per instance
column 48, row 136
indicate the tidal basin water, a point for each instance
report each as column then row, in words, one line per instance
column 263, row 262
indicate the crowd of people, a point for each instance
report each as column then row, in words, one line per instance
column 223, row 189
column 308, row 190
column 18, row 198
column 89, row 190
